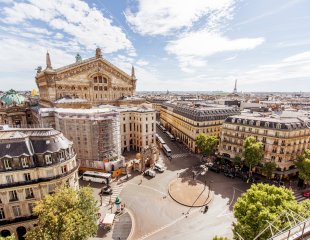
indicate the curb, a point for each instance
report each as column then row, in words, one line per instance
column 205, row 203
column 133, row 224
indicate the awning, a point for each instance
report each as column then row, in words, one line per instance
column 109, row 218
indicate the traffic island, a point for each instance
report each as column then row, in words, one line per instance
column 190, row 192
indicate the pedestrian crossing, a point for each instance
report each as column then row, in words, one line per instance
column 116, row 190
column 299, row 197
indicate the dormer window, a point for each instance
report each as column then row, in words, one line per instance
column 266, row 124
column 48, row 159
column 24, row 161
column 7, row 164
column 258, row 123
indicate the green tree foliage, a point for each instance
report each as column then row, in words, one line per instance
column 253, row 152
column 206, row 143
column 269, row 168
column 220, row 238
column 303, row 165
column 67, row 214
column 262, row 203
column 12, row 237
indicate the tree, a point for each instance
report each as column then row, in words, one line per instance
column 269, row 168
column 206, row 143
column 67, row 214
column 220, row 238
column 303, row 165
column 253, row 152
column 12, row 237
column 262, row 203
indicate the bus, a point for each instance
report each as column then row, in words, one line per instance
column 97, row 177
column 162, row 128
column 160, row 141
column 167, row 150
column 172, row 138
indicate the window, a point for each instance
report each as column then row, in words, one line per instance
column 2, row 215
column 124, row 127
column 95, row 79
column 24, row 161
column 95, row 88
column 7, row 164
column 30, row 207
column 16, row 211
column 64, row 169
column 27, row 177
column 13, row 196
column 9, row 179
column 29, row 193
column 105, row 88
column 61, row 155
column 100, row 89
column 48, row 158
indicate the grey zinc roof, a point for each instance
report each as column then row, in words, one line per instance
column 14, row 149
column 268, row 122
column 49, row 145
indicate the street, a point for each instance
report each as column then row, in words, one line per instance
column 157, row 216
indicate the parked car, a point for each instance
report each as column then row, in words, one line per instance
column 230, row 174
column 159, row 168
column 306, row 194
column 150, row 173
column 214, row 169
column 106, row 190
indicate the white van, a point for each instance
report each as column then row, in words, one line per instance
column 159, row 167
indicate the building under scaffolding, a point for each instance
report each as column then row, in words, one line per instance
column 96, row 134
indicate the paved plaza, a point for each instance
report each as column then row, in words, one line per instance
column 189, row 192
column 157, row 215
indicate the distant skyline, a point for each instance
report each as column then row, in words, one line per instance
column 175, row 45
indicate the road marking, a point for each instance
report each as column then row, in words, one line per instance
column 167, row 225
column 154, row 189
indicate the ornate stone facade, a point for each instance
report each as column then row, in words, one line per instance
column 33, row 162
column 95, row 80
column 14, row 110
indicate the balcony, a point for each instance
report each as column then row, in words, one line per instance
column 39, row 180
column 17, row 220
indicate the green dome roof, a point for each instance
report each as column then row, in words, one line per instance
column 12, row 96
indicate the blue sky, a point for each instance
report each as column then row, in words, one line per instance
column 174, row 44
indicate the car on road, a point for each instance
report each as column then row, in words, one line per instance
column 306, row 194
column 159, row 167
column 107, row 190
column 150, row 173
column 214, row 168
column 230, row 174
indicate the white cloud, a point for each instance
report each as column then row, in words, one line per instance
column 75, row 18
column 166, row 16
column 296, row 67
column 192, row 48
column 142, row 62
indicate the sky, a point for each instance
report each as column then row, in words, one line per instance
column 175, row 45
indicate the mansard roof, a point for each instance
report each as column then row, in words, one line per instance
column 270, row 122
column 17, row 142
column 206, row 113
